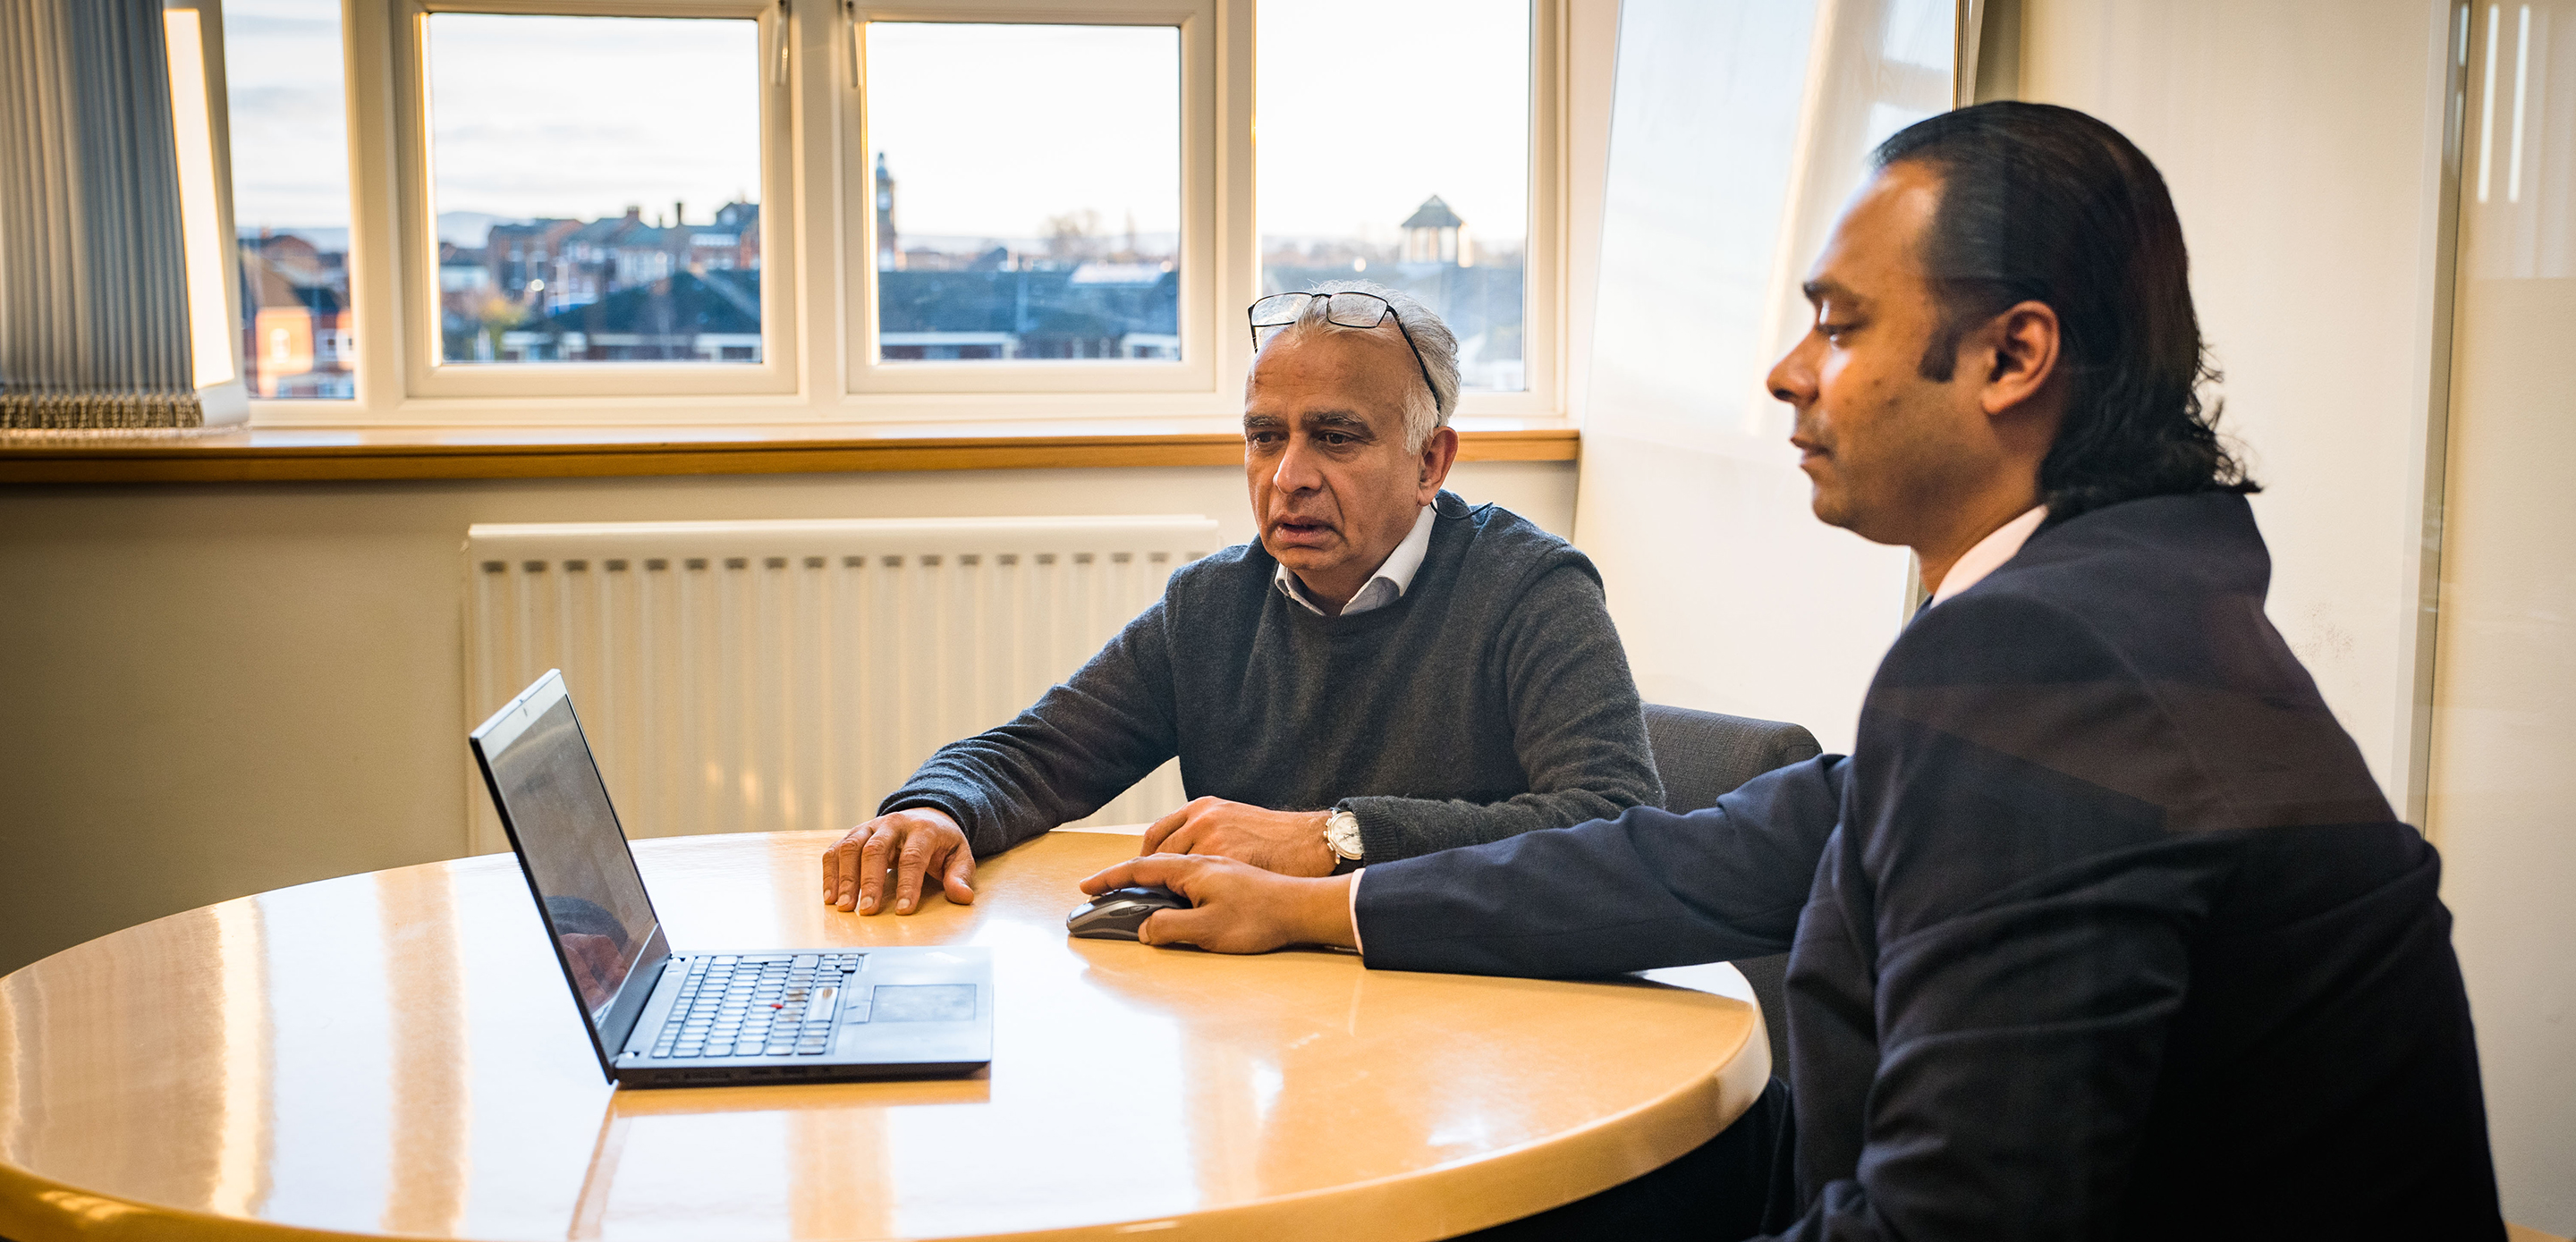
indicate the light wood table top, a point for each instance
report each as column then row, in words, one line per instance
column 394, row 1054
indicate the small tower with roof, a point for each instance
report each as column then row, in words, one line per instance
column 1435, row 234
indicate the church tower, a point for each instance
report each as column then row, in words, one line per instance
column 889, row 248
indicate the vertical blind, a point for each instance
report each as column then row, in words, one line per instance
column 94, row 310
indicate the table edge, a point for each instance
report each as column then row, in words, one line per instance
column 1419, row 1206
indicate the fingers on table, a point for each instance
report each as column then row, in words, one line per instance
column 854, row 869
column 959, row 878
column 841, row 869
column 914, row 863
column 1190, row 839
column 1158, row 834
column 1161, row 828
column 873, row 858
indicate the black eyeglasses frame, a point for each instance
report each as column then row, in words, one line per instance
column 1386, row 309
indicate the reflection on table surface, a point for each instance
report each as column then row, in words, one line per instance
column 397, row 1053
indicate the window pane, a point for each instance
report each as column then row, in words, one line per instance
column 1394, row 146
column 290, row 146
column 595, row 181
column 1028, row 190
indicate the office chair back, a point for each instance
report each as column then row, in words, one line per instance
column 1702, row 756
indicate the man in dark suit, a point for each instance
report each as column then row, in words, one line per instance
column 2103, row 930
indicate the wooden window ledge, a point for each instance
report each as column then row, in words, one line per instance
column 288, row 454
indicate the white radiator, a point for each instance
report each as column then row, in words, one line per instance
column 751, row 676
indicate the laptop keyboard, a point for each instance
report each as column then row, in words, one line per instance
column 759, row 1005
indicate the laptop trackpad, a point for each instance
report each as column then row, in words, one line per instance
column 919, row 1002
column 899, row 1022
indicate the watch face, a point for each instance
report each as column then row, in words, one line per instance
column 1342, row 834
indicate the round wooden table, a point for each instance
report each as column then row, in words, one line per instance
column 396, row 1054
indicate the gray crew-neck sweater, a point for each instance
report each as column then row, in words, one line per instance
column 1493, row 698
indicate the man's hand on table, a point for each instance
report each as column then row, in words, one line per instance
column 917, row 842
column 1288, row 842
column 1235, row 907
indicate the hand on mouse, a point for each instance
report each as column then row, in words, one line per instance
column 917, row 843
column 1235, row 907
column 1288, row 842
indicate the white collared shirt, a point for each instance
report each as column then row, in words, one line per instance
column 1394, row 574
column 1990, row 553
column 1384, row 587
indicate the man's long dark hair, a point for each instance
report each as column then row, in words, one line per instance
column 2046, row 204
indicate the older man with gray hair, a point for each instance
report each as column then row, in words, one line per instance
column 1388, row 671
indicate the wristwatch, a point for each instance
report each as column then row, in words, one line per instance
column 1342, row 834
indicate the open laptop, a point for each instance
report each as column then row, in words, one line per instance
column 664, row 1019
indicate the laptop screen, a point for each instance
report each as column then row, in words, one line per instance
column 568, row 840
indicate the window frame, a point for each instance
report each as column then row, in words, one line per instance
column 818, row 253
column 425, row 374
column 1206, row 281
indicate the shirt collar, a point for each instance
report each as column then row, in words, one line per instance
column 1393, row 578
column 1990, row 553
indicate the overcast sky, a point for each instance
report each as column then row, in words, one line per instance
column 580, row 117
column 1365, row 108
column 989, row 130
column 290, row 145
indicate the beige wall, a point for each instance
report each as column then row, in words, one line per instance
column 2302, row 141
column 2504, row 757
column 2505, row 721
column 211, row 691
column 2304, row 144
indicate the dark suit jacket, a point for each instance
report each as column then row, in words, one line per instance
column 2103, row 931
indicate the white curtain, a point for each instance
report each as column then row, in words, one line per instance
column 1738, row 128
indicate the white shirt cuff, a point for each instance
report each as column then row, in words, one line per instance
column 1355, row 912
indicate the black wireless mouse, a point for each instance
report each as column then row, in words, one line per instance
column 1116, row 914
